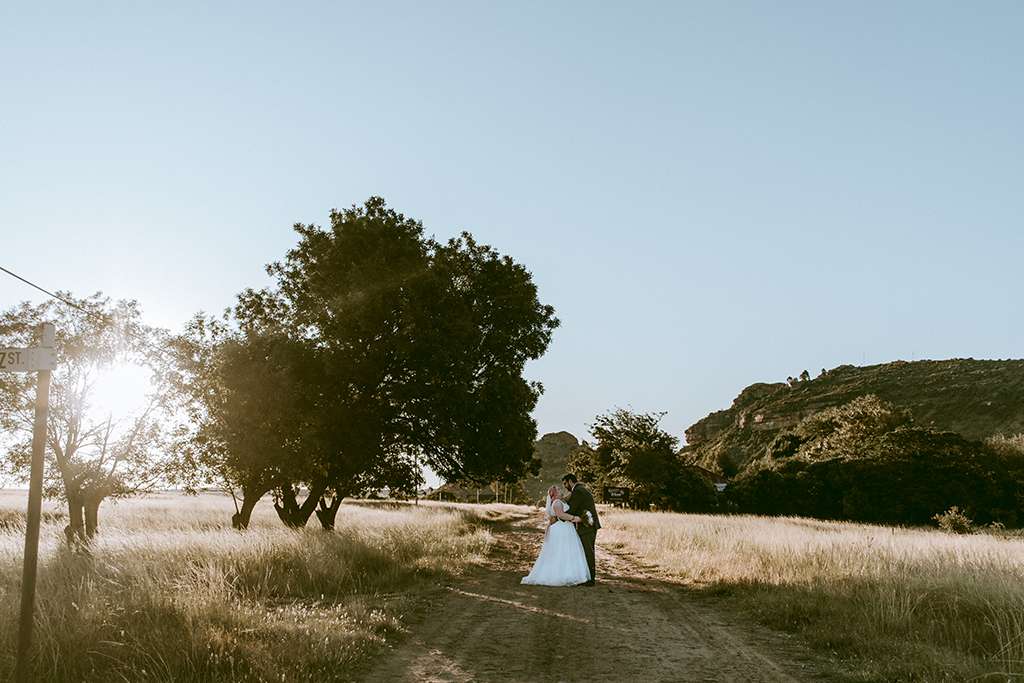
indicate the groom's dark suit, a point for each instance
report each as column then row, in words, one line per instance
column 580, row 502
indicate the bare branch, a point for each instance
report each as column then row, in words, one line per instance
column 105, row 442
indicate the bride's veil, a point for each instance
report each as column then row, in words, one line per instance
column 551, row 513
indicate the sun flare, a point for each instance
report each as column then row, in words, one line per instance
column 121, row 390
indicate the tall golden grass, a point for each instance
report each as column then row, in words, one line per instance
column 896, row 604
column 169, row 592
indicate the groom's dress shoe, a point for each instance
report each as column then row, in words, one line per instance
column 589, row 583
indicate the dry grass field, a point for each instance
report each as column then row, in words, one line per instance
column 171, row 593
column 896, row 604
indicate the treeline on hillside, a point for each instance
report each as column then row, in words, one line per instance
column 867, row 461
column 862, row 461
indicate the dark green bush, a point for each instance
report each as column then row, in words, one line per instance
column 690, row 490
column 901, row 477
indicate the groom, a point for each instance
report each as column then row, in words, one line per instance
column 580, row 503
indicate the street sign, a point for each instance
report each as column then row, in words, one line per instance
column 28, row 360
column 615, row 494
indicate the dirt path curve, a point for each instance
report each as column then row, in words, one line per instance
column 632, row 625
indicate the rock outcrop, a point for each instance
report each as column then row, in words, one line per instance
column 975, row 398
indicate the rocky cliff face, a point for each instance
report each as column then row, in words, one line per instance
column 975, row 398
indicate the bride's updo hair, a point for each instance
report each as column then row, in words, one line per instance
column 553, row 493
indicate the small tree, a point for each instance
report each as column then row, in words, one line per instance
column 634, row 452
column 89, row 457
column 583, row 462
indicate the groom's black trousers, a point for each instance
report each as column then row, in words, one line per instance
column 588, row 537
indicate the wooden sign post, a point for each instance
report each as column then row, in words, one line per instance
column 41, row 359
column 616, row 495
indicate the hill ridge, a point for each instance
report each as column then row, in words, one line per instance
column 976, row 398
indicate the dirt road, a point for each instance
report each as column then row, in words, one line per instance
column 634, row 625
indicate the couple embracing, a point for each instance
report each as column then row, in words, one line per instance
column 567, row 556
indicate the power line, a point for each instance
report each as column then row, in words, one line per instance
column 102, row 316
column 48, row 292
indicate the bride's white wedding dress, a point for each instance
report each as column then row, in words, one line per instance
column 562, row 561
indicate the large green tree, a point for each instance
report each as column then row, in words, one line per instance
column 406, row 347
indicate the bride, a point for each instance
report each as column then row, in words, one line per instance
column 561, row 561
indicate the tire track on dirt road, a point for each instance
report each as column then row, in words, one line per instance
column 486, row 626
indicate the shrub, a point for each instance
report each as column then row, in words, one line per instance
column 954, row 521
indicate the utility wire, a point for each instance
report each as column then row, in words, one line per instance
column 102, row 316
column 49, row 293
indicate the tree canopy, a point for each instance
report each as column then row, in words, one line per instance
column 373, row 346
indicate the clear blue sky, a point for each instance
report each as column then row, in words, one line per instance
column 710, row 194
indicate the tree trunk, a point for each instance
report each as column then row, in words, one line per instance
column 250, row 496
column 92, row 515
column 328, row 513
column 287, row 506
column 291, row 512
column 75, row 530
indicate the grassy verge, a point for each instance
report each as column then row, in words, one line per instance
column 895, row 604
column 169, row 594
